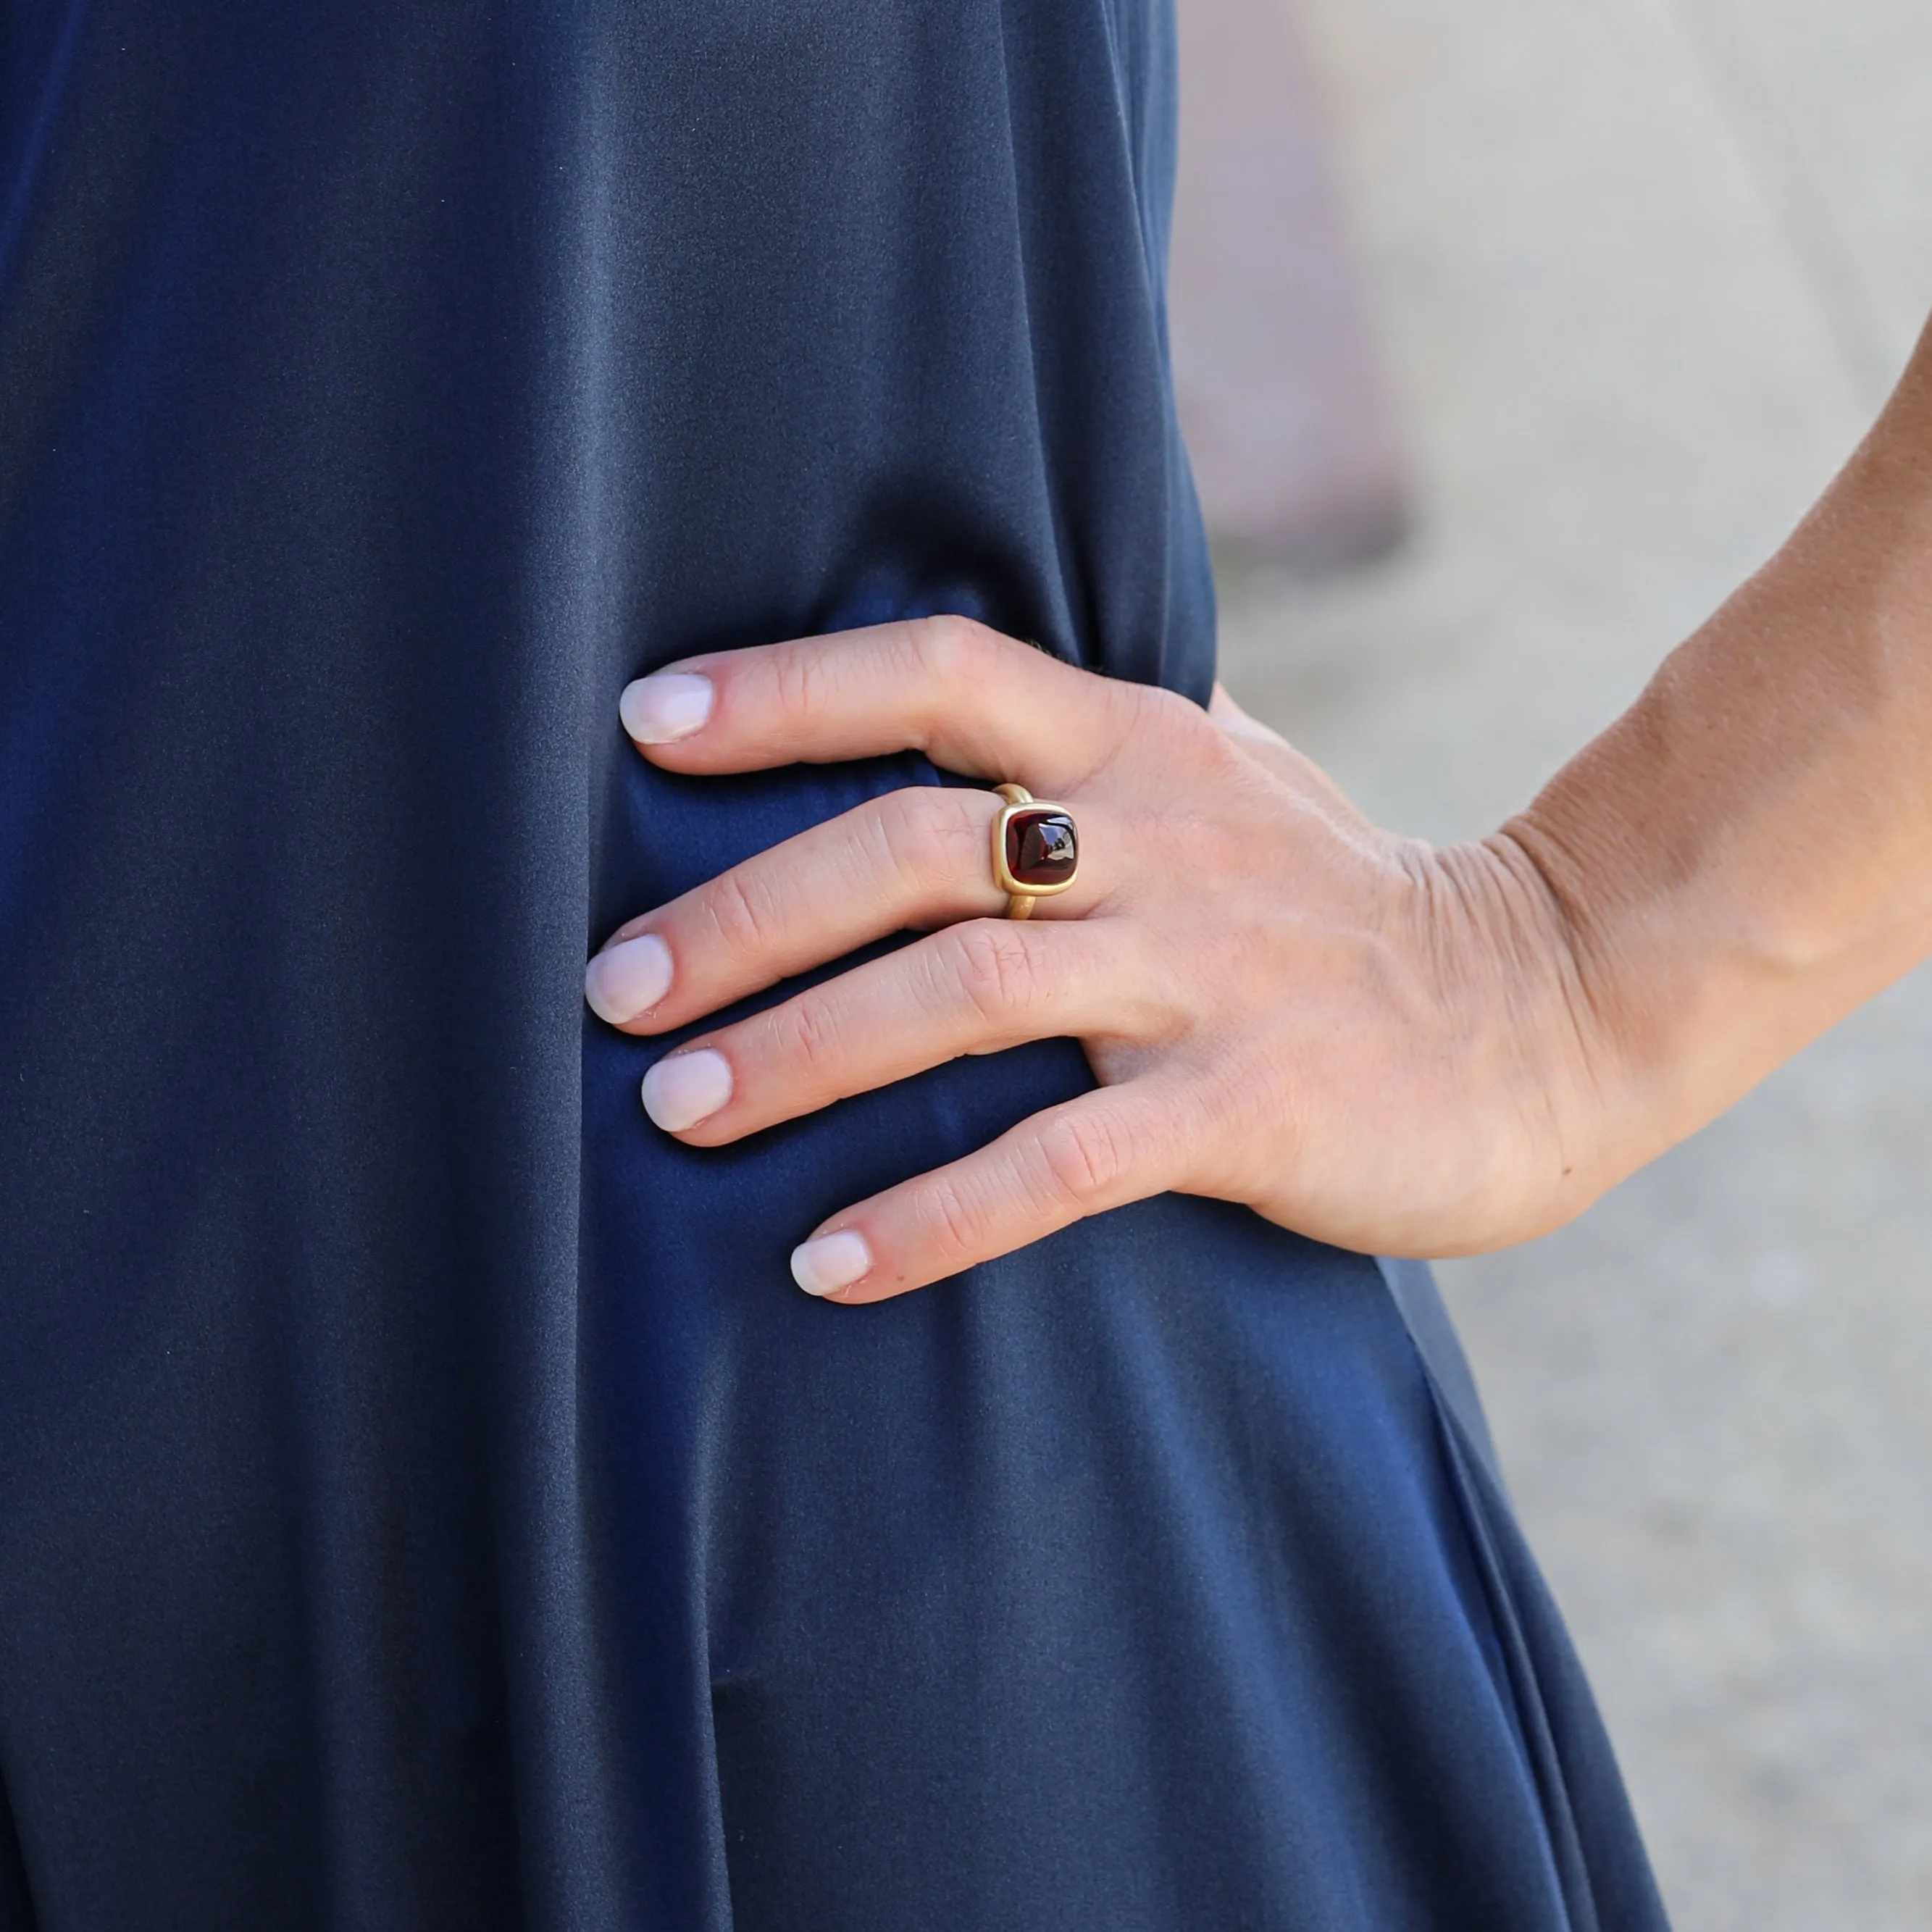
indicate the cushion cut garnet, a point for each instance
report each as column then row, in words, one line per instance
column 1042, row 848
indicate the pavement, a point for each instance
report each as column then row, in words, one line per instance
column 1641, row 271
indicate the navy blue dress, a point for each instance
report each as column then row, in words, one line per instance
column 424, row 1500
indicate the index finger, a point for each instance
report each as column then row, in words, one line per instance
column 975, row 702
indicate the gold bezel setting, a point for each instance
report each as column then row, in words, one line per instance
column 1020, row 896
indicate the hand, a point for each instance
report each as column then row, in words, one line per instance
column 1374, row 1043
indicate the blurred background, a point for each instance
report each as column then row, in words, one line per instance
column 1511, row 334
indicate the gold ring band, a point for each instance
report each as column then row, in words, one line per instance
column 1036, row 849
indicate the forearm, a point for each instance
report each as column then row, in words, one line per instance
column 1379, row 1045
column 1746, row 854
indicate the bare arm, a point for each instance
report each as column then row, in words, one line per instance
column 1746, row 855
column 1381, row 1045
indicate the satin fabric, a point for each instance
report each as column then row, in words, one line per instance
column 425, row 1501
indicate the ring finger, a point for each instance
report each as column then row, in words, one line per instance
column 974, row 988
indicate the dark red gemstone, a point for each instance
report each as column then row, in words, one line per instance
column 1042, row 848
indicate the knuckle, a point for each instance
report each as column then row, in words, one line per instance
column 995, row 967
column 920, row 828
column 798, row 680
column 953, row 1227
column 807, row 1034
column 1177, row 720
column 951, row 648
column 1224, row 759
column 1165, row 707
column 742, row 914
column 1086, row 1153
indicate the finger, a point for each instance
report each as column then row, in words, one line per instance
column 915, row 857
column 975, row 987
column 976, row 703
column 1107, row 1148
column 918, row 857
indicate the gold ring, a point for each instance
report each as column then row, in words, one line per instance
column 1036, row 849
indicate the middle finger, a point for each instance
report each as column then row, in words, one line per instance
column 914, row 858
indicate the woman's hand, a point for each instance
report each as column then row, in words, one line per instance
column 1380, row 1045
column 1372, row 1043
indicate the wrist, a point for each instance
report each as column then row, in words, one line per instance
column 1746, row 854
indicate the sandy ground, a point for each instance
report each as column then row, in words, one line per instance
column 1643, row 268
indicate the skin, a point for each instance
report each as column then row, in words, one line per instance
column 1395, row 1049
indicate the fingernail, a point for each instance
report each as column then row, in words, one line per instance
column 831, row 1261
column 668, row 704
column 684, row 1088
column 628, row 979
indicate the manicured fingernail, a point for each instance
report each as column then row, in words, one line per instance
column 628, row 979
column 831, row 1262
column 669, row 704
column 684, row 1088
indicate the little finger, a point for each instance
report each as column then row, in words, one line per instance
column 1101, row 1150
